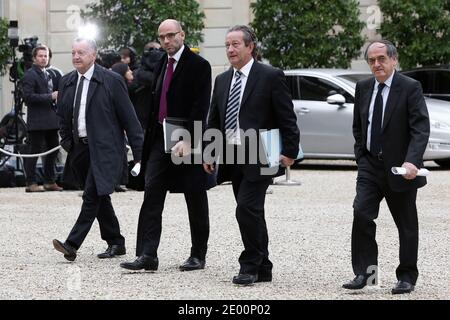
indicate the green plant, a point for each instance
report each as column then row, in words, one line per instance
column 5, row 49
column 135, row 22
column 419, row 29
column 305, row 33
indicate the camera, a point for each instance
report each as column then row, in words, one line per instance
column 106, row 58
column 23, row 64
column 150, row 57
column 27, row 49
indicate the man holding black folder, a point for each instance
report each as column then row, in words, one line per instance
column 182, row 90
column 251, row 96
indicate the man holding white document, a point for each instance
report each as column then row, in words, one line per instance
column 250, row 97
column 391, row 129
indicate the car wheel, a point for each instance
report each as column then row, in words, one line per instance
column 444, row 163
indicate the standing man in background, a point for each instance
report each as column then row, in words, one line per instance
column 182, row 90
column 391, row 129
column 95, row 111
column 42, row 122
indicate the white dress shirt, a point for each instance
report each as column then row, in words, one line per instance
column 245, row 70
column 385, row 95
column 82, row 115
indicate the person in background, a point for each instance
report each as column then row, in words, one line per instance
column 42, row 122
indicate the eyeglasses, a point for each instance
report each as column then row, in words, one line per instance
column 169, row 36
column 381, row 59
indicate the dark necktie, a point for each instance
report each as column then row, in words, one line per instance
column 76, row 111
column 233, row 106
column 163, row 100
column 377, row 120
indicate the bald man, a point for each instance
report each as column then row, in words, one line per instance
column 182, row 90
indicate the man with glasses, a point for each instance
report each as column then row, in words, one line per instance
column 391, row 129
column 182, row 90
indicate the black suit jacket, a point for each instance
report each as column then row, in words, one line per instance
column 109, row 113
column 266, row 104
column 41, row 113
column 405, row 131
column 188, row 97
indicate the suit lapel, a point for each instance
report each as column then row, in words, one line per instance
column 159, row 80
column 251, row 82
column 70, row 86
column 365, row 104
column 92, row 87
column 180, row 63
column 391, row 102
column 224, row 101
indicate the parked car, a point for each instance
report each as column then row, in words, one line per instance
column 323, row 101
column 435, row 80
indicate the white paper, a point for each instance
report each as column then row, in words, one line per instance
column 136, row 169
column 401, row 171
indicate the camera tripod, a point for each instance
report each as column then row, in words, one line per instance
column 13, row 130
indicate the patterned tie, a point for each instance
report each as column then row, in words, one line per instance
column 233, row 106
column 377, row 119
column 76, row 111
column 163, row 100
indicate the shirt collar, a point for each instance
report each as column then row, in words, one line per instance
column 246, row 69
column 88, row 74
column 177, row 55
column 388, row 81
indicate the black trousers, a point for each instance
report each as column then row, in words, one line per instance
column 41, row 141
column 371, row 187
column 250, row 198
column 150, row 216
column 94, row 206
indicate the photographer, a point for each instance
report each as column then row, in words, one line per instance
column 41, row 120
column 140, row 89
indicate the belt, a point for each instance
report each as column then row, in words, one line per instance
column 83, row 140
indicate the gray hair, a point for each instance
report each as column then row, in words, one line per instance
column 91, row 43
column 249, row 37
column 390, row 49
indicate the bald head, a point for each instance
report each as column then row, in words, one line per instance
column 171, row 36
column 171, row 23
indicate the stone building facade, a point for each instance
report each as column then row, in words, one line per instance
column 55, row 22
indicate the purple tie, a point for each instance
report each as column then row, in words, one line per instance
column 163, row 100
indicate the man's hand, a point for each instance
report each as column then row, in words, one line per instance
column 411, row 171
column 182, row 148
column 285, row 161
column 209, row 168
column 54, row 95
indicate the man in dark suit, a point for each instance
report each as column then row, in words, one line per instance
column 391, row 129
column 94, row 111
column 42, row 121
column 182, row 90
column 250, row 96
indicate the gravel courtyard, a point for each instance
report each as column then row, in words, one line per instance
column 309, row 229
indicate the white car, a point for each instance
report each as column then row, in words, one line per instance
column 323, row 101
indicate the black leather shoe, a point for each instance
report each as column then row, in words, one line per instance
column 142, row 262
column 245, row 279
column 402, row 287
column 264, row 276
column 192, row 263
column 70, row 253
column 359, row 282
column 112, row 251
